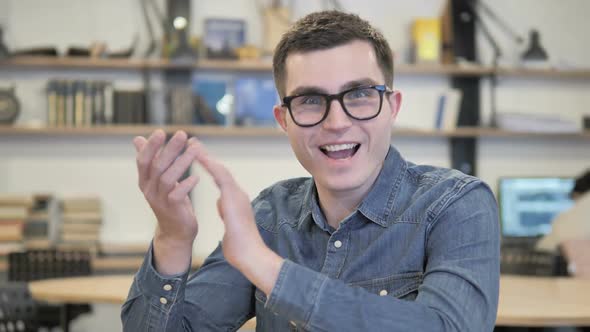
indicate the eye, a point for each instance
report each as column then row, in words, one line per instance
column 360, row 93
column 310, row 100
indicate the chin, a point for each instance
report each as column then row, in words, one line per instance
column 341, row 182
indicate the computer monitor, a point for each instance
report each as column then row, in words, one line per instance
column 528, row 205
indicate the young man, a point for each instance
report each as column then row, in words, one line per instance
column 572, row 223
column 370, row 243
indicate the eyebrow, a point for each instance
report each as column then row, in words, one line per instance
column 319, row 90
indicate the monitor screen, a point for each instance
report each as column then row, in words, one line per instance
column 529, row 205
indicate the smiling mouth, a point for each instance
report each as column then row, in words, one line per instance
column 340, row 151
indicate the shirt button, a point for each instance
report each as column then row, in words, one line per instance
column 163, row 300
column 167, row 287
column 338, row 244
column 383, row 292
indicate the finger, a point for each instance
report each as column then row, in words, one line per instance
column 147, row 150
column 170, row 152
column 219, row 208
column 170, row 177
column 220, row 174
column 139, row 142
column 182, row 189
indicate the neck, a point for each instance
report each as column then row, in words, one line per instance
column 337, row 205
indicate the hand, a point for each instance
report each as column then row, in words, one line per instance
column 159, row 171
column 241, row 239
column 242, row 244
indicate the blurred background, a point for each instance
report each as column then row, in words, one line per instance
column 497, row 89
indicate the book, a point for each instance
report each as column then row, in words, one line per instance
column 11, row 230
column 129, row 107
column 426, row 40
column 7, row 199
column 538, row 123
column 448, row 107
column 82, row 217
column 78, row 103
column 223, row 37
column 81, row 203
column 13, row 213
column 180, row 105
column 80, row 237
column 277, row 20
column 212, row 100
column 80, row 228
column 254, row 101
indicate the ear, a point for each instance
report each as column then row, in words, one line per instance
column 280, row 114
column 395, row 102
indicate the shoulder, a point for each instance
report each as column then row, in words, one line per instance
column 443, row 180
column 444, row 187
column 282, row 201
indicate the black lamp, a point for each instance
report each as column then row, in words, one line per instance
column 535, row 52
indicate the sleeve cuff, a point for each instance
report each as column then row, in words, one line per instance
column 161, row 291
column 295, row 293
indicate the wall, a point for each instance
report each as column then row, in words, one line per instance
column 105, row 165
column 108, row 162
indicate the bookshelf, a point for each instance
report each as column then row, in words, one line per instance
column 239, row 132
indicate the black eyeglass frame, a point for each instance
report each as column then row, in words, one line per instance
column 381, row 89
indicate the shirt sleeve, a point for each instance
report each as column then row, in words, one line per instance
column 459, row 291
column 215, row 298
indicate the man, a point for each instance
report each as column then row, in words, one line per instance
column 370, row 243
column 572, row 223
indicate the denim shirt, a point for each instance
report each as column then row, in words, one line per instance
column 420, row 253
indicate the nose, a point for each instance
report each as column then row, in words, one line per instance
column 337, row 119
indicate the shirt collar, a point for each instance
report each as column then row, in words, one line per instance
column 379, row 203
column 311, row 211
column 377, row 206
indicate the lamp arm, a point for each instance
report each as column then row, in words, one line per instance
column 507, row 29
column 486, row 32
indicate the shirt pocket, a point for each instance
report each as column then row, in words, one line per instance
column 402, row 285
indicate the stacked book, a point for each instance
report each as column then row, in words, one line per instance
column 81, row 220
column 37, row 228
column 119, row 257
column 14, row 211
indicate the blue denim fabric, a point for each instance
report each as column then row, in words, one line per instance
column 421, row 253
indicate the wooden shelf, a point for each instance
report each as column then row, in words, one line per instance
column 133, row 130
column 220, row 131
column 455, row 70
column 545, row 73
column 265, row 65
column 71, row 63
column 202, row 131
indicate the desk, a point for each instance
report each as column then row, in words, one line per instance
column 542, row 301
column 524, row 301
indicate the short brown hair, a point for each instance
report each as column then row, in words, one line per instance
column 324, row 30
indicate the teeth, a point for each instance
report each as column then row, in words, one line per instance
column 338, row 147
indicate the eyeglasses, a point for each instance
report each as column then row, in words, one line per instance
column 360, row 103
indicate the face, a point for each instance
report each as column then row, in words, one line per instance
column 341, row 153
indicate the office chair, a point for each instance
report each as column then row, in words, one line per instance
column 18, row 311
column 45, row 264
